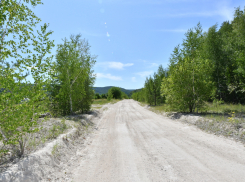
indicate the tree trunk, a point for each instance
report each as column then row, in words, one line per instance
column 155, row 98
column 193, row 82
column 190, row 108
column 70, row 92
column 22, row 147
column 71, row 104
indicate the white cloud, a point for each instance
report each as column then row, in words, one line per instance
column 148, row 64
column 154, row 64
column 108, row 76
column 144, row 73
column 224, row 11
column 116, row 65
column 133, row 79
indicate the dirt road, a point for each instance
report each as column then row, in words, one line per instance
column 133, row 144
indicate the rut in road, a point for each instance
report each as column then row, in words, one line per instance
column 134, row 144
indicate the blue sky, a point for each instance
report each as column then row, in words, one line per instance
column 131, row 37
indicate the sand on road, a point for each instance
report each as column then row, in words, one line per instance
column 134, row 144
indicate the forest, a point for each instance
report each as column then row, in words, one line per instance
column 206, row 67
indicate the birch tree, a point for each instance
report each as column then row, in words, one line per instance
column 24, row 47
column 73, row 78
column 178, row 86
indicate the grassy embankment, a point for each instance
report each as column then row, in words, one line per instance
column 221, row 119
column 50, row 129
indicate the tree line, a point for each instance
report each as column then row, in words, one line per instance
column 62, row 84
column 151, row 93
column 113, row 93
column 206, row 66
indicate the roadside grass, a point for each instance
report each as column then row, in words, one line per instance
column 105, row 101
column 161, row 108
column 220, row 119
column 96, row 107
column 54, row 151
column 226, row 108
column 49, row 130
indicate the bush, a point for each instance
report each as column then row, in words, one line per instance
column 124, row 96
column 115, row 93
column 97, row 96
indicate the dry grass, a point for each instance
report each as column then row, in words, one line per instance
column 220, row 119
column 105, row 101
column 49, row 130
column 223, row 108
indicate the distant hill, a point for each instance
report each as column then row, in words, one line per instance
column 104, row 90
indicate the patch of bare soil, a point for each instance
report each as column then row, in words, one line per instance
column 51, row 151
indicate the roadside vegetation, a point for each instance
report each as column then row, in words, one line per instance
column 113, row 93
column 62, row 83
column 205, row 77
column 105, row 101
column 206, row 67
column 225, row 119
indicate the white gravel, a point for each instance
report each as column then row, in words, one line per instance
column 131, row 143
column 135, row 144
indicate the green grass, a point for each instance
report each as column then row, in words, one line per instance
column 105, row 101
column 161, row 108
column 209, row 108
column 224, row 108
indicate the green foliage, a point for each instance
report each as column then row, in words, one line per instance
column 109, row 96
column 104, row 96
column 64, row 86
column 188, row 85
column 97, row 96
column 206, row 66
column 72, row 78
column 124, row 96
column 139, row 95
column 151, row 91
column 21, row 102
column 115, row 93
column 232, row 36
column 104, row 90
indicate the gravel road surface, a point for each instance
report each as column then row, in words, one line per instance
column 133, row 144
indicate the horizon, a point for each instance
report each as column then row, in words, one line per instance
column 119, row 87
column 131, row 38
